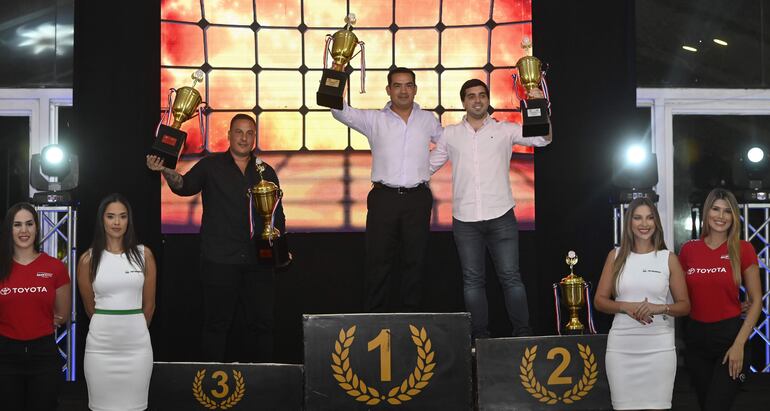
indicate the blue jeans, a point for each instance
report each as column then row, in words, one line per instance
column 501, row 237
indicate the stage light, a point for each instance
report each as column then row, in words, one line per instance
column 720, row 42
column 690, row 49
column 635, row 173
column 755, row 154
column 635, row 155
column 53, row 172
column 751, row 175
column 54, row 161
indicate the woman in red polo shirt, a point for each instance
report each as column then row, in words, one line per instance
column 34, row 300
column 715, row 267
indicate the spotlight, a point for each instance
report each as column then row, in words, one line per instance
column 755, row 154
column 751, row 173
column 635, row 155
column 53, row 172
column 53, row 161
column 635, row 173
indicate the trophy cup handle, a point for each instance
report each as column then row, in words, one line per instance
column 167, row 114
column 202, row 124
column 326, row 50
column 516, row 84
column 363, row 67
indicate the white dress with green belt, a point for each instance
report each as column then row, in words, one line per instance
column 118, row 357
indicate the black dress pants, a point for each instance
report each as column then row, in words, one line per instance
column 30, row 374
column 707, row 344
column 230, row 287
column 397, row 230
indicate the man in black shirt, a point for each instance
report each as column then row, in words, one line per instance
column 230, row 273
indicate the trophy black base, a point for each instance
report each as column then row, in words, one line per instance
column 275, row 255
column 534, row 114
column 332, row 88
column 168, row 144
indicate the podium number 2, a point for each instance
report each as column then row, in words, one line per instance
column 556, row 378
column 383, row 342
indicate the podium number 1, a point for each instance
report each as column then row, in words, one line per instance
column 383, row 342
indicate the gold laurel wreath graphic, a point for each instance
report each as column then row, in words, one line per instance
column 229, row 402
column 412, row 385
column 543, row 394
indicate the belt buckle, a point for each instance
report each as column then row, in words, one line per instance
column 402, row 190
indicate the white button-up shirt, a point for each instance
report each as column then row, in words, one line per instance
column 400, row 150
column 481, row 160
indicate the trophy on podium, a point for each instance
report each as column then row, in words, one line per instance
column 272, row 248
column 186, row 105
column 534, row 112
column 333, row 81
column 572, row 293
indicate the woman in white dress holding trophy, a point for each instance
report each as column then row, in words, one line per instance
column 116, row 277
column 643, row 285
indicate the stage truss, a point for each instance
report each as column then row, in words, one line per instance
column 58, row 238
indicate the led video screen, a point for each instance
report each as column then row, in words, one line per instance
column 265, row 57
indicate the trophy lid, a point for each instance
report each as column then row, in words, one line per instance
column 260, row 167
column 350, row 21
column 197, row 77
column 571, row 260
column 526, row 44
column 264, row 187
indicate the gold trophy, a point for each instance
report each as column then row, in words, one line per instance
column 534, row 112
column 170, row 139
column 333, row 81
column 572, row 292
column 271, row 245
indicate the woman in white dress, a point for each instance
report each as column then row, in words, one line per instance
column 116, row 277
column 643, row 285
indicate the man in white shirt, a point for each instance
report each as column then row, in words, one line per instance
column 480, row 148
column 400, row 202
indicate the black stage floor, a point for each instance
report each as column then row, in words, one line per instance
column 755, row 395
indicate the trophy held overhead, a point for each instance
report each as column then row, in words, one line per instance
column 333, row 81
column 535, row 112
column 169, row 140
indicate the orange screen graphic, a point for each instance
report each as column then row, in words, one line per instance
column 265, row 57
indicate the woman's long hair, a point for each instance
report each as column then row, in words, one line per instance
column 733, row 235
column 130, row 244
column 627, row 241
column 6, row 237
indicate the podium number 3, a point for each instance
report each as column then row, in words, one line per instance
column 222, row 384
column 556, row 378
column 382, row 340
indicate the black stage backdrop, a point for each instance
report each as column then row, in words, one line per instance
column 589, row 46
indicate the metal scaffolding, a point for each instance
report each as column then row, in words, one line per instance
column 618, row 213
column 58, row 238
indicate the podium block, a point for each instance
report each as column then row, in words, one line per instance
column 217, row 386
column 543, row 373
column 388, row 361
